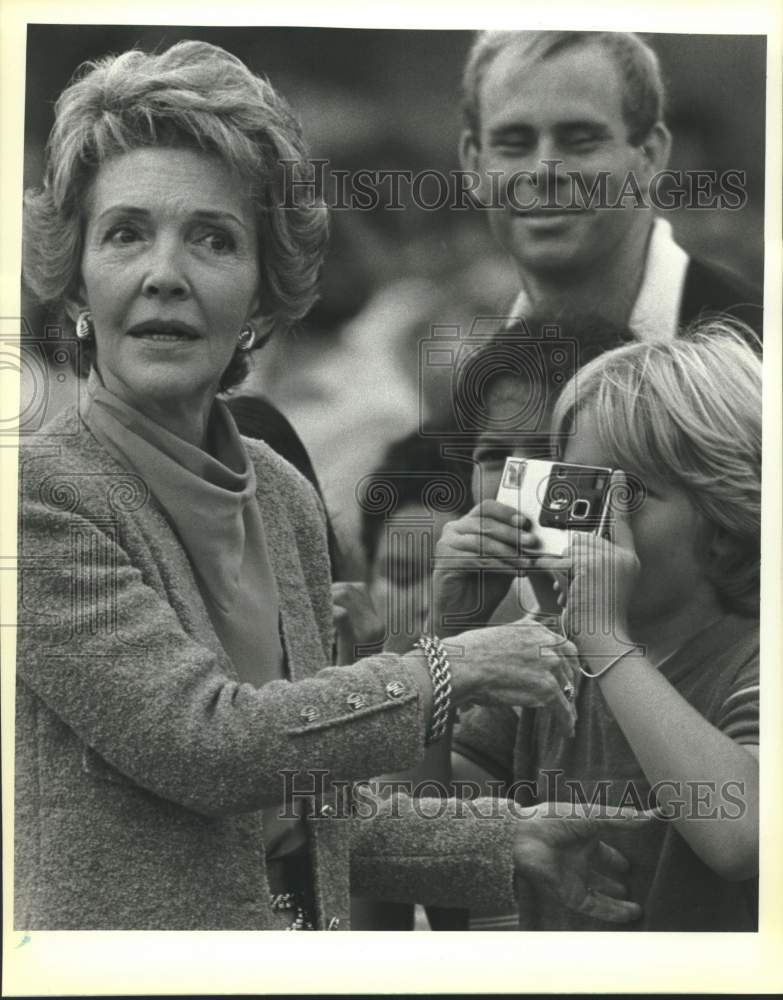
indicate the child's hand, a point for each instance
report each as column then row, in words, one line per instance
column 492, row 538
column 601, row 579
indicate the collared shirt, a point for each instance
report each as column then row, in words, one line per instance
column 656, row 310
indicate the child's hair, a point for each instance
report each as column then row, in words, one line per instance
column 412, row 471
column 688, row 412
column 540, row 354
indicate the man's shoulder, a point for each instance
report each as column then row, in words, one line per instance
column 711, row 289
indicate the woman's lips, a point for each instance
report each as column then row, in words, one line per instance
column 163, row 332
column 163, row 337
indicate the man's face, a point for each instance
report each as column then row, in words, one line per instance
column 567, row 107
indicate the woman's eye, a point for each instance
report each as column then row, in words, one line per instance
column 217, row 241
column 122, row 234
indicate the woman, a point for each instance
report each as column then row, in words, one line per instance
column 181, row 761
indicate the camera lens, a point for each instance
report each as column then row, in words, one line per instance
column 580, row 509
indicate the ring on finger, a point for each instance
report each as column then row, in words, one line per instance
column 568, row 691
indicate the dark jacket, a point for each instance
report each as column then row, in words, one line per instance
column 256, row 417
column 711, row 290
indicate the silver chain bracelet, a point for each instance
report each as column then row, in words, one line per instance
column 440, row 672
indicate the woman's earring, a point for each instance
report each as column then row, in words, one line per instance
column 247, row 338
column 84, row 328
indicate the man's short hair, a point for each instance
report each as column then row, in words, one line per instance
column 643, row 90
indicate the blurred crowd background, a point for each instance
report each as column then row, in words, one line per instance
column 350, row 380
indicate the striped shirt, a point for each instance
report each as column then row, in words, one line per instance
column 717, row 672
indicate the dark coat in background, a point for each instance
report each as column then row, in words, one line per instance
column 711, row 290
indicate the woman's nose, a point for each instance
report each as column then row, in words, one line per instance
column 165, row 277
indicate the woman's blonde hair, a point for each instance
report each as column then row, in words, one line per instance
column 687, row 412
column 195, row 95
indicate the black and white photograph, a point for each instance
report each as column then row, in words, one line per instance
column 290, row 653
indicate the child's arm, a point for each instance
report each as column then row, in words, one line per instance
column 671, row 740
column 673, row 743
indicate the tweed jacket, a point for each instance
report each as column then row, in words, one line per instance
column 143, row 764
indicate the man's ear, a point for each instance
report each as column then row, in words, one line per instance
column 468, row 151
column 656, row 149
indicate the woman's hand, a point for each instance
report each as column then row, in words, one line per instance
column 601, row 579
column 476, row 560
column 564, row 855
column 359, row 630
column 519, row 664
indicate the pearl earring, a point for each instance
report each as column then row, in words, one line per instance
column 247, row 337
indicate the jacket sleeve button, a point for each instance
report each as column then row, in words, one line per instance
column 309, row 713
column 395, row 689
column 355, row 701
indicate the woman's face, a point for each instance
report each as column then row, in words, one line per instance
column 170, row 274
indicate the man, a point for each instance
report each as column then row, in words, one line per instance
column 558, row 124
